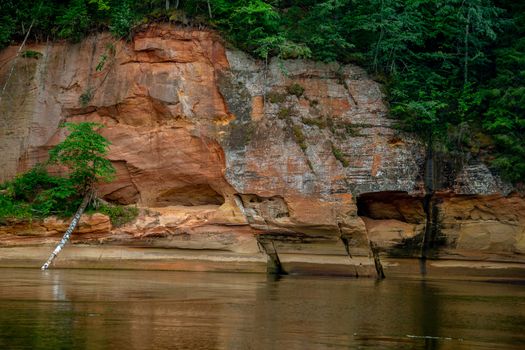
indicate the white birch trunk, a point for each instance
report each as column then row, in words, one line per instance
column 70, row 230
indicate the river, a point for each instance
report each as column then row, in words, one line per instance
column 112, row 309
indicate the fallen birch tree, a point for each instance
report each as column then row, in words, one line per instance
column 83, row 152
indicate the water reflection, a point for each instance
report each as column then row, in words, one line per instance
column 88, row 309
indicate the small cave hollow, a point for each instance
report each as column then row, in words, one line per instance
column 268, row 207
column 391, row 205
column 190, row 195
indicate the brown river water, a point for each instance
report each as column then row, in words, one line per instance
column 111, row 309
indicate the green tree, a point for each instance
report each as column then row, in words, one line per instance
column 75, row 21
column 84, row 153
column 502, row 98
column 122, row 19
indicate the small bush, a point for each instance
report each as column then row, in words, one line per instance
column 295, row 89
column 110, row 51
column 31, row 54
column 299, row 137
column 86, row 97
column 289, row 49
column 37, row 194
column 276, row 97
column 338, row 154
column 101, row 62
column 12, row 209
column 330, row 123
column 351, row 130
column 118, row 214
column 284, row 113
column 319, row 122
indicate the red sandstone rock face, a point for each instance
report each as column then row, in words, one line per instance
column 492, row 224
column 219, row 148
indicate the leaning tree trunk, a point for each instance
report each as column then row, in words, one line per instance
column 70, row 230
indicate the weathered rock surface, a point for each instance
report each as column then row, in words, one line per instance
column 219, row 149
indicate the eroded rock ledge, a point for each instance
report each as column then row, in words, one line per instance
column 224, row 153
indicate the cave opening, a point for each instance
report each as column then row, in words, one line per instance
column 190, row 195
column 391, row 205
column 395, row 221
column 403, row 225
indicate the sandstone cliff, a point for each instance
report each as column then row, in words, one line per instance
column 223, row 152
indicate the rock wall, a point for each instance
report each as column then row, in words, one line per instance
column 219, row 150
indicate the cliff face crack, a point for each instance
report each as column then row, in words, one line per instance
column 274, row 263
column 265, row 213
column 377, row 261
column 430, row 205
column 346, row 244
column 347, row 88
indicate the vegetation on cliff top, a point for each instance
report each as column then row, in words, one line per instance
column 454, row 70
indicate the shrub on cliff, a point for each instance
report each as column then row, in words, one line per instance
column 36, row 193
column 119, row 215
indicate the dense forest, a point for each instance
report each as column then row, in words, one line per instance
column 453, row 70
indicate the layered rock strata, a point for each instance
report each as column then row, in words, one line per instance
column 225, row 153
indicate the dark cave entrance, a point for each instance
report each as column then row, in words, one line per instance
column 388, row 211
column 391, row 205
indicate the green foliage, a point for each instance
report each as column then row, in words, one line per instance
column 319, row 122
column 6, row 29
column 119, row 215
column 11, row 209
column 84, row 153
column 122, row 19
column 501, row 100
column 276, row 97
column 31, row 54
column 299, row 137
column 320, row 26
column 36, row 193
column 338, row 154
column 352, row 130
column 295, row 89
column 100, row 66
column 75, row 22
column 109, row 52
column 102, row 5
column 284, row 113
column 252, row 24
column 87, row 95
